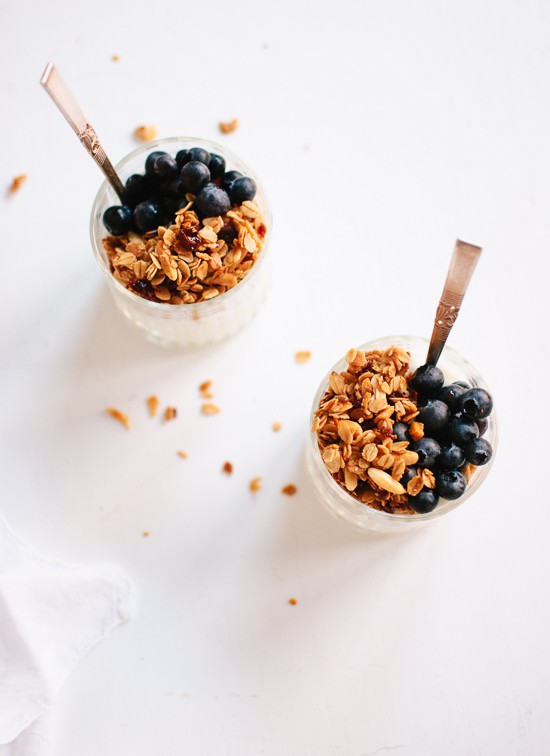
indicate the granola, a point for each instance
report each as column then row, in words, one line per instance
column 354, row 424
column 226, row 127
column 191, row 260
column 121, row 417
column 17, row 183
column 145, row 133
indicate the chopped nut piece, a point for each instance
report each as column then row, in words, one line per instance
column 289, row 490
column 416, row 430
column 205, row 386
column 227, row 468
column 303, row 356
column 226, row 127
column 292, row 601
column 17, row 182
column 276, row 426
column 152, row 404
column 170, row 413
column 120, row 416
column 145, row 133
column 210, row 409
column 255, row 485
column 182, row 454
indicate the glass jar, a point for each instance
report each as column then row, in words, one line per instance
column 342, row 504
column 184, row 325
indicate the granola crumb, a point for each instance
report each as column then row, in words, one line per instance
column 210, row 409
column 146, row 534
column 292, row 601
column 226, row 127
column 121, row 417
column 302, row 356
column 255, row 485
column 204, row 388
column 170, row 413
column 152, row 404
column 17, row 183
column 277, row 426
column 289, row 490
column 145, row 133
column 115, row 58
column 227, row 468
column 182, row 454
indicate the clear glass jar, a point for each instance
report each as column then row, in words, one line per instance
column 188, row 324
column 339, row 502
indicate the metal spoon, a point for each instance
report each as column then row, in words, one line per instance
column 463, row 263
column 59, row 92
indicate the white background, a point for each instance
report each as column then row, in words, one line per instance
column 382, row 131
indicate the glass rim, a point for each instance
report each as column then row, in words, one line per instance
column 449, row 505
column 165, row 306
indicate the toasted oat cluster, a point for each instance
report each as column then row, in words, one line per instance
column 354, row 424
column 191, row 260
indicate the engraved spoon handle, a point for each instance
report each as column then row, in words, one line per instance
column 59, row 92
column 463, row 263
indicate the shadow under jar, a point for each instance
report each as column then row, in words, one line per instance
column 184, row 325
column 339, row 502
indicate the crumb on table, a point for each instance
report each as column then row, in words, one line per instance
column 121, row 417
column 182, row 454
column 227, row 467
column 170, row 413
column 292, row 601
column 289, row 490
column 255, row 484
column 302, row 356
column 152, row 404
column 277, row 426
column 210, row 409
column 17, row 183
column 145, row 133
column 226, row 127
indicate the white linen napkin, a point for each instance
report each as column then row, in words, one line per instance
column 51, row 614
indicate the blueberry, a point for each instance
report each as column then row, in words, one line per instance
column 435, row 415
column 229, row 178
column 462, row 430
column 136, row 189
column 478, row 451
column 117, row 219
column 451, row 394
column 216, row 166
column 165, row 167
column 476, row 403
column 424, row 502
column 182, row 157
column 428, row 451
column 427, row 380
column 151, row 159
column 401, row 431
column 200, row 155
column 450, row 484
column 147, row 216
column 243, row 188
column 452, row 456
column 410, row 472
column 174, row 189
column 212, row 201
column 482, row 424
column 194, row 176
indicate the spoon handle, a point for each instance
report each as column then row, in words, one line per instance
column 59, row 92
column 463, row 263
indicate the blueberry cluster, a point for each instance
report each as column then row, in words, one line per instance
column 455, row 419
column 153, row 198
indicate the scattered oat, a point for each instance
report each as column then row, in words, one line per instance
column 303, row 356
column 182, row 454
column 292, row 601
column 226, row 127
column 277, row 426
column 17, row 182
column 146, row 534
column 152, row 404
column 145, row 133
column 210, row 409
column 204, row 388
column 289, row 490
column 170, row 413
column 115, row 58
column 255, row 485
column 120, row 416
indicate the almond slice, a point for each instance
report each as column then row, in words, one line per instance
column 385, row 481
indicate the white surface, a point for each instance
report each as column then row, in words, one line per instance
column 51, row 614
column 422, row 122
